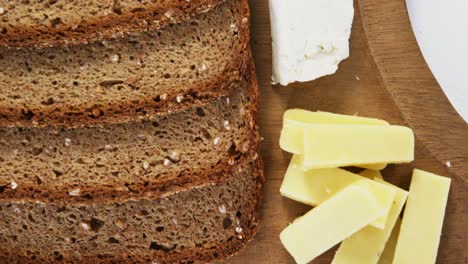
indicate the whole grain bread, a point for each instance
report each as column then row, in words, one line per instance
column 37, row 23
column 196, row 225
column 126, row 79
column 136, row 149
column 200, row 206
column 164, row 154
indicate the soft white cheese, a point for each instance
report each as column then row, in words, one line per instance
column 310, row 38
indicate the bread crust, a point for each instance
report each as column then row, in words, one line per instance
column 134, row 110
column 105, row 27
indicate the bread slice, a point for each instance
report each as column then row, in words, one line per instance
column 202, row 206
column 200, row 224
column 124, row 160
column 126, row 79
column 60, row 22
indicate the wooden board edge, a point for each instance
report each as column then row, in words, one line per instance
column 413, row 87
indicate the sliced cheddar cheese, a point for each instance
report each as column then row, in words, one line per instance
column 337, row 218
column 313, row 187
column 421, row 227
column 367, row 245
column 329, row 146
column 389, row 250
column 294, row 121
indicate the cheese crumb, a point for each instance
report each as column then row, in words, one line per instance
column 115, row 58
column 167, row 162
column 2, row 10
column 234, row 28
column 169, row 13
column 203, row 67
column 216, row 140
column 14, row 185
column 67, row 142
column 226, row 125
column 175, row 156
column 448, row 164
column 75, row 192
column 222, row 209
column 85, row 226
column 179, row 98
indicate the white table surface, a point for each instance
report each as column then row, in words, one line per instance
column 441, row 28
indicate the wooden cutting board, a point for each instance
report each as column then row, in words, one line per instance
column 384, row 77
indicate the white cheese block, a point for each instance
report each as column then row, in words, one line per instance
column 310, row 38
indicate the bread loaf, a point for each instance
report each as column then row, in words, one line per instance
column 138, row 149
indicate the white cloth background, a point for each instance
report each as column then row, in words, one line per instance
column 441, row 28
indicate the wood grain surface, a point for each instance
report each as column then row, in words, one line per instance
column 384, row 77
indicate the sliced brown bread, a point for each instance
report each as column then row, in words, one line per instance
column 119, row 194
column 126, row 79
column 124, row 160
column 197, row 225
column 37, row 23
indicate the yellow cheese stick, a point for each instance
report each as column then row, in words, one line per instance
column 329, row 146
column 329, row 223
column 371, row 174
column 315, row 186
column 366, row 245
column 422, row 222
column 294, row 121
column 387, row 254
column 298, row 118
